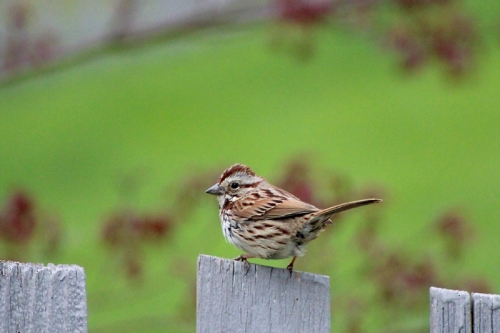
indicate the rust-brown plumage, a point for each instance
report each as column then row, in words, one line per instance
column 266, row 221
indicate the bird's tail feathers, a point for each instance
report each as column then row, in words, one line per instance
column 326, row 213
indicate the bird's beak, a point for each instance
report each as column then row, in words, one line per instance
column 216, row 189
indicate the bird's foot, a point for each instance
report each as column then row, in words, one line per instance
column 290, row 266
column 243, row 259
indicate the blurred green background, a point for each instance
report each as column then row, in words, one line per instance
column 167, row 111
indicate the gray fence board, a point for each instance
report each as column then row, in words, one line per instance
column 450, row 311
column 264, row 299
column 37, row 298
column 486, row 313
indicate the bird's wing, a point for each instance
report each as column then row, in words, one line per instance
column 288, row 208
column 275, row 207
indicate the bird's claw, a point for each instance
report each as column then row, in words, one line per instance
column 244, row 260
column 290, row 266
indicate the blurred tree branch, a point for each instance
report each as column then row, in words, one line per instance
column 36, row 37
column 31, row 43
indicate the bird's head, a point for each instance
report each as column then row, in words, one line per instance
column 234, row 183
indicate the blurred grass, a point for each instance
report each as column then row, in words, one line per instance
column 205, row 102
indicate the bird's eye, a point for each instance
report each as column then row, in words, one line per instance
column 234, row 185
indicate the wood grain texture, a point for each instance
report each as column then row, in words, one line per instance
column 450, row 311
column 486, row 313
column 264, row 299
column 38, row 298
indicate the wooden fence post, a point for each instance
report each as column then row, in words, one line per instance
column 486, row 313
column 454, row 311
column 450, row 311
column 38, row 298
column 264, row 299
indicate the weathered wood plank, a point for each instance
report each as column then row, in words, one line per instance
column 485, row 313
column 37, row 298
column 450, row 311
column 264, row 299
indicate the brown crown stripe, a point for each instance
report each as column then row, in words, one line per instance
column 235, row 169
